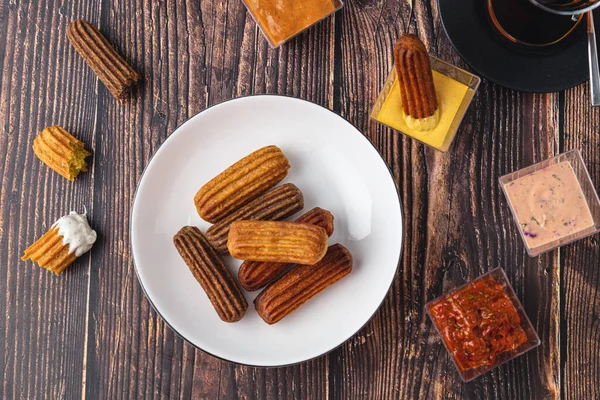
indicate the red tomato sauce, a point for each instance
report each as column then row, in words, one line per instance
column 478, row 323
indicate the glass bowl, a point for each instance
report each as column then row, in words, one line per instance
column 586, row 190
column 528, row 334
column 442, row 137
column 295, row 16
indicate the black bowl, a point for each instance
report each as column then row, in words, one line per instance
column 528, row 69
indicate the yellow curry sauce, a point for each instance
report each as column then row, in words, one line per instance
column 450, row 96
column 282, row 19
column 549, row 204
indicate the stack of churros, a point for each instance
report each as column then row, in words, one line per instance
column 247, row 212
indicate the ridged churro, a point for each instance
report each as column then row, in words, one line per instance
column 301, row 283
column 61, row 151
column 212, row 274
column 274, row 205
column 253, row 275
column 102, row 58
column 241, row 183
column 67, row 239
column 277, row 241
column 419, row 101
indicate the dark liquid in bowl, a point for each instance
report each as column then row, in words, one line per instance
column 567, row 6
column 522, row 22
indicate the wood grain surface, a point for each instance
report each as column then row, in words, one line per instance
column 92, row 333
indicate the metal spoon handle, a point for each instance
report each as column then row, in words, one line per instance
column 593, row 61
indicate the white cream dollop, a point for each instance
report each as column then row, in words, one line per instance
column 76, row 232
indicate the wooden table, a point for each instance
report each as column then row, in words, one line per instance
column 91, row 332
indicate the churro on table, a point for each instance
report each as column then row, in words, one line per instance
column 102, row 58
column 61, row 151
column 68, row 238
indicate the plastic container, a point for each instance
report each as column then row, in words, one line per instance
column 453, row 118
column 531, row 338
column 281, row 20
column 573, row 157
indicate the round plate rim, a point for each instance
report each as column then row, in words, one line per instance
column 486, row 76
column 135, row 267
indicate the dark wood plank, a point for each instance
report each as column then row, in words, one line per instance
column 457, row 223
column 92, row 332
column 44, row 320
column 581, row 260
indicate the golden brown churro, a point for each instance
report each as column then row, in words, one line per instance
column 277, row 241
column 241, row 183
column 69, row 237
column 301, row 283
column 50, row 252
column 274, row 205
column 61, row 151
column 253, row 275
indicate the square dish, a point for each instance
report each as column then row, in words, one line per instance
column 553, row 202
column 482, row 324
column 455, row 89
column 281, row 20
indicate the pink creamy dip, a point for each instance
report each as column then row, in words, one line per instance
column 549, row 204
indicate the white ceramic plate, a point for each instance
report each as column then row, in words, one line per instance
column 336, row 168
